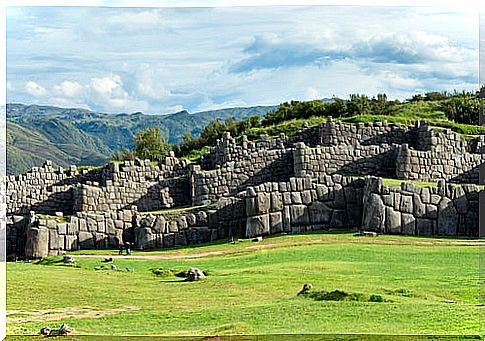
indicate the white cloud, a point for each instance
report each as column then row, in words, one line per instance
column 136, row 18
column 163, row 60
column 69, row 89
column 108, row 92
column 34, row 89
column 312, row 93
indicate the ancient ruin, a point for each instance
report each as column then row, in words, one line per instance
column 324, row 177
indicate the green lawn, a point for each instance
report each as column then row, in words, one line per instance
column 431, row 287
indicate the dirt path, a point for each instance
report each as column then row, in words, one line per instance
column 290, row 244
column 63, row 313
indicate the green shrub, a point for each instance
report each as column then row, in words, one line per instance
column 376, row 298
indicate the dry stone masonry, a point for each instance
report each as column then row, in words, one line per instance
column 317, row 179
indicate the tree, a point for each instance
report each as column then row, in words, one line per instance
column 150, row 144
column 124, row 154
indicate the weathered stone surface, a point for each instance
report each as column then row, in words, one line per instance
column 286, row 219
column 263, row 203
column 296, row 198
column 86, row 240
column 447, row 218
column 339, row 219
column 159, row 224
column 374, row 213
column 257, row 226
column 37, row 243
column 276, row 222
column 461, row 201
column 169, row 240
column 339, row 196
column 424, row 227
column 425, row 195
column 431, row 211
column 299, row 215
column 276, row 202
column 173, row 226
column 408, row 224
column 406, row 204
column 180, row 239
column 393, row 221
column 320, row 213
column 144, row 238
column 419, row 209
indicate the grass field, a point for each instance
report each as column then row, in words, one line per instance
column 430, row 286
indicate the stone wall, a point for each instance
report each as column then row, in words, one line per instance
column 432, row 165
column 373, row 133
column 253, row 168
column 258, row 188
column 44, row 189
column 115, row 186
column 304, row 205
column 228, row 150
column 344, row 159
column 446, row 210
column 50, row 235
column 439, row 140
column 39, row 236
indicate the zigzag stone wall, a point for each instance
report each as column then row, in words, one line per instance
column 431, row 165
column 258, row 188
column 343, row 159
column 446, row 210
column 304, row 205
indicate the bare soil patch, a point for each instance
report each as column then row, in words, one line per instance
column 63, row 313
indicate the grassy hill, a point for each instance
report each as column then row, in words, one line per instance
column 428, row 286
column 83, row 137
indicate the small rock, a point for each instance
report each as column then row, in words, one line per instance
column 59, row 214
column 306, row 287
column 65, row 329
column 258, row 239
column 68, row 259
column 194, row 274
column 46, row 330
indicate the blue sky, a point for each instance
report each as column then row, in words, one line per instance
column 162, row 60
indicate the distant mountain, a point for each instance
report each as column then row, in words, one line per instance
column 82, row 137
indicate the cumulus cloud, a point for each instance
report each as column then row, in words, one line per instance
column 273, row 52
column 419, row 47
column 161, row 60
column 69, row 89
column 136, row 18
column 108, row 92
column 410, row 48
column 34, row 89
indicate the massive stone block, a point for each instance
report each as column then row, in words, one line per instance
column 447, row 218
column 408, row 224
column 257, row 226
column 37, row 243
column 320, row 213
column 374, row 213
column 393, row 221
column 299, row 215
column 425, row 227
column 276, row 222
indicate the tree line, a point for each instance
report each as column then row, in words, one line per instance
column 460, row 107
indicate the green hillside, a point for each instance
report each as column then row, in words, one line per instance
column 83, row 137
